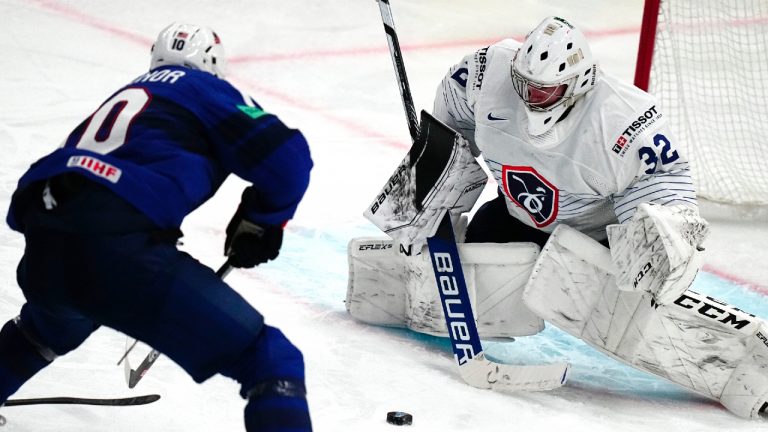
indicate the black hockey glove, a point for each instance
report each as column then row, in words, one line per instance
column 249, row 244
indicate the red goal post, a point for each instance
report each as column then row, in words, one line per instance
column 707, row 63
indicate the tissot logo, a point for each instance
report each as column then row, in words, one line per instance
column 531, row 192
column 481, row 60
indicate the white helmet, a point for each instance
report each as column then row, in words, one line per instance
column 551, row 70
column 189, row 45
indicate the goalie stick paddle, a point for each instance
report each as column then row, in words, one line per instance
column 133, row 376
column 474, row 367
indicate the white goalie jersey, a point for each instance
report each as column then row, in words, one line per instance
column 609, row 154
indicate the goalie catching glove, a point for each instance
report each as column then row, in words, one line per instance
column 249, row 244
column 658, row 250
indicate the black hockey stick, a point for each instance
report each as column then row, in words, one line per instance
column 63, row 400
column 128, row 401
column 474, row 368
column 133, row 376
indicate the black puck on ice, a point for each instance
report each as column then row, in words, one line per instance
column 399, row 418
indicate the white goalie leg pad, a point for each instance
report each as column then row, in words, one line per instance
column 392, row 285
column 695, row 341
column 746, row 392
column 495, row 273
column 376, row 282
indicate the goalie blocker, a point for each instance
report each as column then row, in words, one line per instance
column 434, row 178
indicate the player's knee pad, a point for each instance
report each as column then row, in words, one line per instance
column 20, row 359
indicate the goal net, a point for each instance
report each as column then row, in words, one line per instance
column 707, row 63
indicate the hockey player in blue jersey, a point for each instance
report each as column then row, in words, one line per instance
column 101, row 216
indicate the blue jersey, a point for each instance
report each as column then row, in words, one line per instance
column 167, row 141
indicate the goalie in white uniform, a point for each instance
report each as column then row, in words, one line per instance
column 565, row 142
column 572, row 147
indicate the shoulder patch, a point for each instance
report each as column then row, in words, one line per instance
column 252, row 111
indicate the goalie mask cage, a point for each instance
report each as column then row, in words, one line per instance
column 706, row 61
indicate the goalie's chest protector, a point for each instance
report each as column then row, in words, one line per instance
column 563, row 176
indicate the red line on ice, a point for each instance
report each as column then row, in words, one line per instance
column 97, row 23
column 427, row 46
column 91, row 21
column 737, row 280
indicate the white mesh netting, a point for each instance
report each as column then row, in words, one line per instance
column 710, row 73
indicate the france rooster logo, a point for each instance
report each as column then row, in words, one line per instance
column 531, row 192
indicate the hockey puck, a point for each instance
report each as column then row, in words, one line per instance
column 399, row 418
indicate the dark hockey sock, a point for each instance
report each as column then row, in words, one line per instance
column 19, row 360
column 278, row 406
column 271, row 372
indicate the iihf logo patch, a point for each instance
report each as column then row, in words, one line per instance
column 531, row 192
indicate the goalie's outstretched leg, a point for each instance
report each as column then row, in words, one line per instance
column 696, row 341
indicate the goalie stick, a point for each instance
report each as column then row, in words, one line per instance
column 474, row 367
column 133, row 376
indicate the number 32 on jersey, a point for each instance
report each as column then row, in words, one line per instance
column 666, row 155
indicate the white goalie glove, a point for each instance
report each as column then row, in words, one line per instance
column 658, row 250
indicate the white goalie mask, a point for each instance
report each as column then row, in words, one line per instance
column 189, row 45
column 551, row 70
